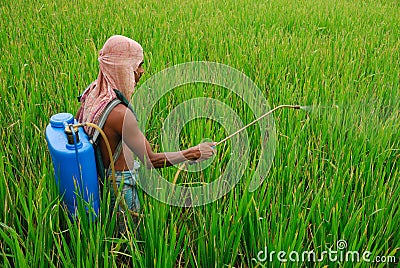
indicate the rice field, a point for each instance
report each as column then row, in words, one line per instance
column 335, row 175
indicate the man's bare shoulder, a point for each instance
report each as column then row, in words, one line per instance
column 121, row 113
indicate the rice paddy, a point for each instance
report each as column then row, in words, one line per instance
column 335, row 174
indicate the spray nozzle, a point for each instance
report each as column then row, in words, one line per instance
column 305, row 108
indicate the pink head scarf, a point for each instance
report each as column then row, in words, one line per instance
column 119, row 58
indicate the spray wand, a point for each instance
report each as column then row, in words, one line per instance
column 261, row 117
column 306, row 108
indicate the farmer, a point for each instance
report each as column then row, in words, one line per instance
column 121, row 66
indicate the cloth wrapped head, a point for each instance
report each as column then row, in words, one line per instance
column 119, row 58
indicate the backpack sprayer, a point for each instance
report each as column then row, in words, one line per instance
column 74, row 162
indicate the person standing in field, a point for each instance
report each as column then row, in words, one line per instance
column 121, row 67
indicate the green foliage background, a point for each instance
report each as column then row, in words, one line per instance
column 335, row 173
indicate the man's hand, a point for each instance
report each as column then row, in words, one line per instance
column 204, row 150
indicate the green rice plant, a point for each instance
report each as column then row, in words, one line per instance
column 335, row 171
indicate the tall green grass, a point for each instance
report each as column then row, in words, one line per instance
column 335, row 172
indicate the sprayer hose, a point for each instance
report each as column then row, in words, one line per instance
column 114, row 183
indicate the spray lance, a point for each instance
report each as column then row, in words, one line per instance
column 305, row 108
column 261, row 117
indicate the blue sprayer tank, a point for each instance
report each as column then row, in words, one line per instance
column 74, row 164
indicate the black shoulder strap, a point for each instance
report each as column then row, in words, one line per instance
column 117, row 151
column 101, row 123
column 103, row 119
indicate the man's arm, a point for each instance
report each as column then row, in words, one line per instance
column 137, row 142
